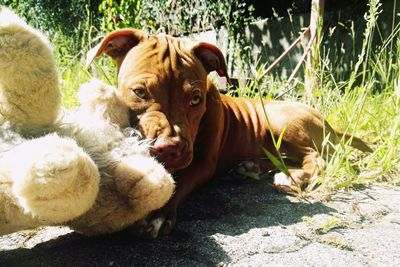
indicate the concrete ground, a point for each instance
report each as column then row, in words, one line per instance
column 237, row 223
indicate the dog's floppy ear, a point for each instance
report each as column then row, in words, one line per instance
column 117, row 44
column 211, row 58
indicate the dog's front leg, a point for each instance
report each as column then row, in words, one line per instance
column 202, row 169
column 162, row 221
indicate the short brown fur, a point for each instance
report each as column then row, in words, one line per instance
column 160, row 78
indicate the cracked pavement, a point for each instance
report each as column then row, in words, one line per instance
column 236, row 223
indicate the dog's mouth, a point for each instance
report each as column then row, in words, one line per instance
column 173, row 165
column 172, row 169
column 173, row 157
column 173, row 151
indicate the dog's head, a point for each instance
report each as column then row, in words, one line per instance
column 163, row 80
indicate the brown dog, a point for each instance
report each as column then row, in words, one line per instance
column 198, row 132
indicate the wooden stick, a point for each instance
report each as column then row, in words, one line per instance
column 303, row 57
column 316, row 21
column 305, row 33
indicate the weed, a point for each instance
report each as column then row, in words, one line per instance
column 326, row 226
column 337, row 241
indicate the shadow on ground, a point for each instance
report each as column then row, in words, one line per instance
column 225, row 207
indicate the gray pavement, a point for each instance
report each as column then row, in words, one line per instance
column 237, row 223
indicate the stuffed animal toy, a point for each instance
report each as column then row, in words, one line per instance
column 84, row 168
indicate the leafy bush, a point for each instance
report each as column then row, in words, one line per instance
column 119, row 14
column 74, row 19
column 174, row 16
column 51, row 15
column 66, row 22
column 182, row 17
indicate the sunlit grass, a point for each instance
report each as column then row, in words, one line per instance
column 367, row 105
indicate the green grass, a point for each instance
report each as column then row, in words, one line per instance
column 367, row 105
column 73, row 74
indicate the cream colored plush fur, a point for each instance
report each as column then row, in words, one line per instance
column 91, row 172
column 132, row 182
column 27, row 65
column 48, row 179
column 45, row 181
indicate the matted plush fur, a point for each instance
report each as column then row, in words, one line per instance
column 84, row 168
column 132, row 182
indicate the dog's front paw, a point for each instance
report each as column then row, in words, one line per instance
column 160, row 222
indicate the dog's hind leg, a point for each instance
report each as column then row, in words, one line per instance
column 311, row 165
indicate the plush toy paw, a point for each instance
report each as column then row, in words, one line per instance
column 52, row 179
column 131, row 189
column 145, row 182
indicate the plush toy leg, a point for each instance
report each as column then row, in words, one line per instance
column 44, row 181
column 29, row 93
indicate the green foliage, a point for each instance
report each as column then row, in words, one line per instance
column 181, row 17
column 68, row 23
column 119, row 14
column 188, row 16
column 366, row 105
column 71, row 19
column 52, row 16
column 349, row 106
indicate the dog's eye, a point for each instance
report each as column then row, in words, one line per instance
column 195, row 100
column 139, row 92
